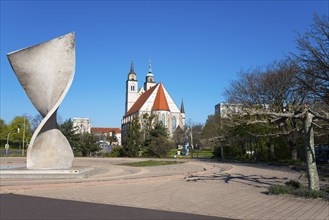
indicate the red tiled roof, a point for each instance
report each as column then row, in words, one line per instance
column 140, row 101
column 105, row 130
column 160, row 102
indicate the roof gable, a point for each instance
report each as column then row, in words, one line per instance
column 105, row 130
column 170, row 101
column 160, row 102
column 141, row 100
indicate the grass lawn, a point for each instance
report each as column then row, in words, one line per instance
column 149, row 163
column 12, row 152
column 203, row 153
column 206, row 153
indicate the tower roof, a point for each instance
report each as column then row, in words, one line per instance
column 132, row 71
column 150, row 70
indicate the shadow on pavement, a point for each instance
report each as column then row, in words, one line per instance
column 14, row 206
column 257, row 181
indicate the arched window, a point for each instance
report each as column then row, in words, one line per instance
column 173, row 123
column 163, row 119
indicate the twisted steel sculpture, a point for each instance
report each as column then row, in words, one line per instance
column 46, row 72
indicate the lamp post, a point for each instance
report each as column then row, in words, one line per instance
column 192, row 146
column 7, row 145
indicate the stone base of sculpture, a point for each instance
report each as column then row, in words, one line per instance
column 24, row 173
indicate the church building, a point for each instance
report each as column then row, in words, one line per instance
column 153, row 100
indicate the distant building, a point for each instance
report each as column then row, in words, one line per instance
column 152, row 99
column 81, row 125
column 224, row 109
column 103, row 133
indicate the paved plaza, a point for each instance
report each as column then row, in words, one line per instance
column 195, row 189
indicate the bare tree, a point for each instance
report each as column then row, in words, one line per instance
column 290, row 91
column 36, row 121
column 271, row 88
column 306, row 97
column 178, row 136
column 212, row 132
column 216, row 132
column 313, row 59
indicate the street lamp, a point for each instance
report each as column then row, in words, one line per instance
column 7, row 145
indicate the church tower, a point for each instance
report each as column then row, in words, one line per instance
column 149, row 81
column 131, row 88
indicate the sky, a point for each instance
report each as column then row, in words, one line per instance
column 196, row 49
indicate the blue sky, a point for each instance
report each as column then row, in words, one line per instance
column 196, row 48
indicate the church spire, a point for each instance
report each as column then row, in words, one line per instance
column 150, row 67
column 132, row 74
column 150, row 74
column 132, row 65
column 149, row 80
column 182, row 110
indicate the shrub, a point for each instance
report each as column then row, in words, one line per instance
column 117, row 151
column 308, row 194
column 158, row 147
column 314, row 194
column 279, row 189
column 296, row 188
column 216, row 152
column 292, row 162
column 78, row 154
column 294, row 184
column 325, row 195
column 106, row 154
column 326, row 189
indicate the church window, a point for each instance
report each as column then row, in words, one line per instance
column 163, row 118
column 132, row 88
column 173, row 123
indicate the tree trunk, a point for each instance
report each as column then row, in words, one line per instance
column 272, row 151
column 222, row 151
column 313, row 177
column 243, row 148
column 255, row 149
column 271, row 154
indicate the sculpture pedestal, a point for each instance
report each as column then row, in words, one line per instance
column 18, row 172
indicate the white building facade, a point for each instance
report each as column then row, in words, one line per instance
column 225, row 110
column 81, row 125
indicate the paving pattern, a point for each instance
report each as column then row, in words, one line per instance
column 229, row 190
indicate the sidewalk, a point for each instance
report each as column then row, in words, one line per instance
column 214, row 189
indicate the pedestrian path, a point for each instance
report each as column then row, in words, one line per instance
column 229, row 190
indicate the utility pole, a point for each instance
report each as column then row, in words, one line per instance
column 191, row 134
column 192, row 141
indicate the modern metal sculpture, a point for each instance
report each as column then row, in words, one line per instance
column 46, row 72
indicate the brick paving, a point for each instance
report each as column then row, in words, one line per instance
column 229, row 190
